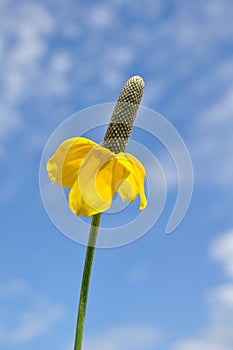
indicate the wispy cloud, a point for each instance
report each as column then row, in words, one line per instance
column 32, row 324
column 126, row 337
column 212, row 146
column 137, row 274
column 222, row 295
column 97, row 48
column 217, row 335
column 13, row 288
column 34, row 315
column 222, row 251
column 32, row 72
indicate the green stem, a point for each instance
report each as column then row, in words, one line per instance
column 86, row 280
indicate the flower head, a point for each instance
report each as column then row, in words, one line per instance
column 94, row 174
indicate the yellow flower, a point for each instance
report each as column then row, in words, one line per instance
column 94, row 174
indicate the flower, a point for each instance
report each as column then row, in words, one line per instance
column 94, row 174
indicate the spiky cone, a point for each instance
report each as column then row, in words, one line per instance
column 124, row 113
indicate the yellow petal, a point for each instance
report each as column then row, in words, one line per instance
column 97, row 182
column 94, row 174
column 64, row 165
column 77, row 203
column 134, row 183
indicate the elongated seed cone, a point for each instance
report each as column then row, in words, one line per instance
column 121, row 123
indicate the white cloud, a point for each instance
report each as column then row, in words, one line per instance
column 35, row 316
column 217, row 334
column 55, row 78
column 100, row 16
column 61, row 62
column 127, row 337
column 29, row 71
column 212, row 143
column 219, row 114
column 222, row 295
column 32, row 324
column 13, row 288
column 9, row 121
column 222, row 251
column 25, row 33
column 24, row 44
column 172, row 53
column 201, row 345
column 137, row 274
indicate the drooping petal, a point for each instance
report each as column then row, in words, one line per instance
column 64, row 165
column 134, row 183
column 94, row 174
column 97, row 182
column 77, row 203
column 139, row 177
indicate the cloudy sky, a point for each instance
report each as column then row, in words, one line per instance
column 170, row 292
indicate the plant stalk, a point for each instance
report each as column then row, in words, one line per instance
column 86, row 280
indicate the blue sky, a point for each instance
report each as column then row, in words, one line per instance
column 162, row 291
